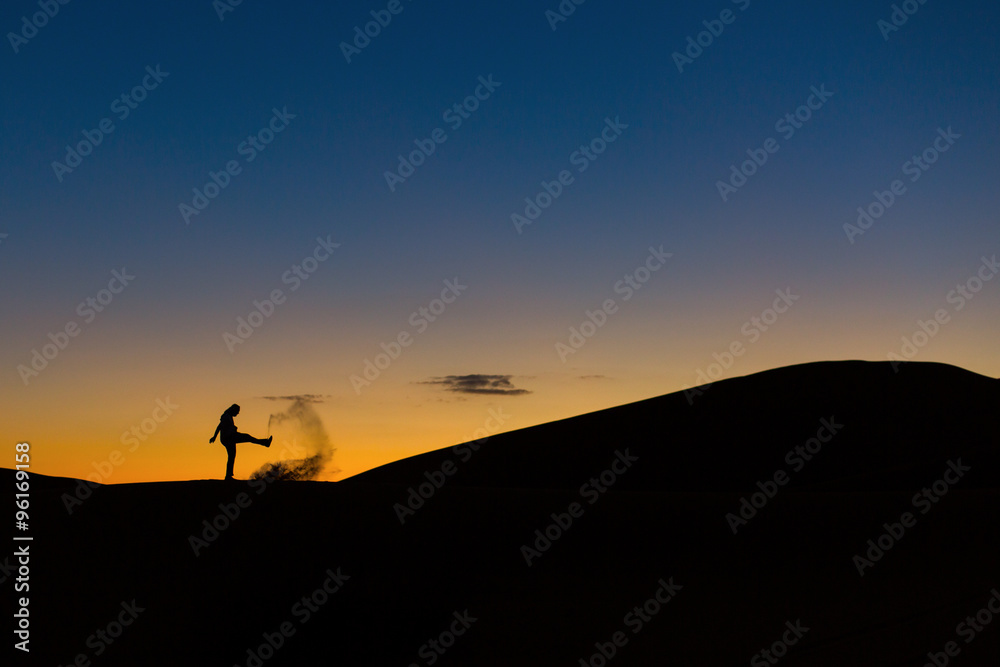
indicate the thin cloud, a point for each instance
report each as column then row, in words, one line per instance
column 303, row 398
column 478, row 384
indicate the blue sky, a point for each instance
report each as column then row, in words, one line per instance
column 324, row 176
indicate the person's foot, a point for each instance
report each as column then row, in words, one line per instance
column 230, row 479
column 268, row 442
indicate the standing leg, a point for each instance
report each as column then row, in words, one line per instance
column 231, row 452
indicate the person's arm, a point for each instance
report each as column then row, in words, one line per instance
column 216, row 432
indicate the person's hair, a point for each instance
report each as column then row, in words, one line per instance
column 232, row 409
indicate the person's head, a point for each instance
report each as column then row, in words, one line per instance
column 233, row 410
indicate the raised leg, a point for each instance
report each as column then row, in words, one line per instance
column 243, row 437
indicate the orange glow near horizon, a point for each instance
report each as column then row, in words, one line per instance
column 84, row 409
column 395, row 418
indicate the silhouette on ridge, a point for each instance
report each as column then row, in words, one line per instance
column 231, row 437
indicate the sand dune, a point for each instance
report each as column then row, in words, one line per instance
column 666, row 531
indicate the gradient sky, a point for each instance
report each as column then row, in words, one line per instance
column 323, row 176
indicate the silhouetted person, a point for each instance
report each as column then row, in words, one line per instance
column 230, row 437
